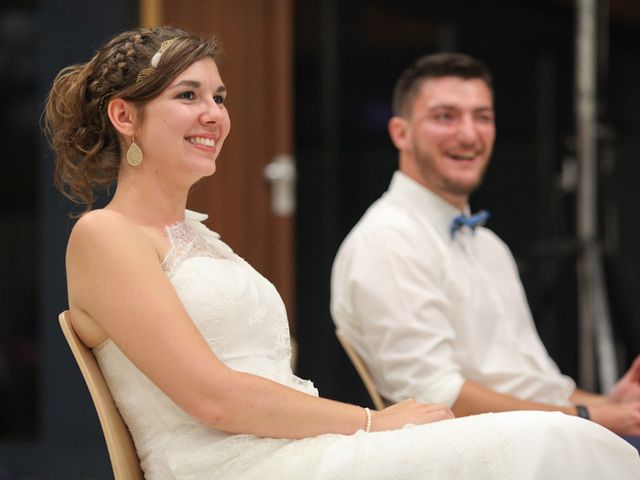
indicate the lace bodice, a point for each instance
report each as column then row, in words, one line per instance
column 239, row 314
column 228, row 301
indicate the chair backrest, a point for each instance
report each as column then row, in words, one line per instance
column 377, row 400
column 294, row 354
column 122, row 451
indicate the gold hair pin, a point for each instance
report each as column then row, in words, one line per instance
column 155, row 60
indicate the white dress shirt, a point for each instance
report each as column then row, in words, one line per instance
column 427, row 312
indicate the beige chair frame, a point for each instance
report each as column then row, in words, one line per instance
column 122, row 451
column 360, row 367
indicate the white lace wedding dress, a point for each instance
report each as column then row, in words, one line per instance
column 242, row 317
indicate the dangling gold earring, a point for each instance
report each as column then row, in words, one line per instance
column 134, row 154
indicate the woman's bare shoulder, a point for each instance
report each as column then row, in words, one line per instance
column 106, row 239
column 103, row 245
column 102, row 221
column 103, row 228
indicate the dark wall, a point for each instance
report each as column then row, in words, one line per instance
column 348, row 56
column 68, row 443
column 18, row 224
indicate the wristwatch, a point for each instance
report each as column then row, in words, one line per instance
column 583, row 412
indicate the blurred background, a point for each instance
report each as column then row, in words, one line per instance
column 310, row 86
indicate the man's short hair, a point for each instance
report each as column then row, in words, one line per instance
column 437, row 65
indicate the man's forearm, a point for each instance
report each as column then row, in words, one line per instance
column 475, row 398
column 582, row 397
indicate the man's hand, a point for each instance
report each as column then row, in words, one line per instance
column 627, row 389
column 621, row 418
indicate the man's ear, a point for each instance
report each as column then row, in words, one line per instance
column 399, row 132
column 122, row 115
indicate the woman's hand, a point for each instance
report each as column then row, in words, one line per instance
column 409, row 411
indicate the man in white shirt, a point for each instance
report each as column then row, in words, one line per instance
column 433, row 302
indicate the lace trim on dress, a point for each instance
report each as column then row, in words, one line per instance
column 189, row 238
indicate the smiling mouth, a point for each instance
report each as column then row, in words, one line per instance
column 462, row 156
column 207, row 142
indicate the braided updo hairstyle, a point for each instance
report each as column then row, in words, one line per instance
column 76, row 123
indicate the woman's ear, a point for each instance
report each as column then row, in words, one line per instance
column 399, row 132
column 122, row 115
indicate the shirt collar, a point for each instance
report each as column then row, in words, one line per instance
column 424, row 203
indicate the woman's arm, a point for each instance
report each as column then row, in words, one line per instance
column 116, row 281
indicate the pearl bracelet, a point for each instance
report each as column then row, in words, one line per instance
column 367, row 427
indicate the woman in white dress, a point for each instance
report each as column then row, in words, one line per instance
column 194, row 343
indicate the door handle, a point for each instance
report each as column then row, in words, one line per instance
column 281, row 174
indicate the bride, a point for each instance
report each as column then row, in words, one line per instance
column 194, row 343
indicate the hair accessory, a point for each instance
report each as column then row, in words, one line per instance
column 155, row 60
column 367, row 427
column 134, row 153
column 103, row 99
column 583, row 412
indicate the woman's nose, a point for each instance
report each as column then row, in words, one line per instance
column 212, row 112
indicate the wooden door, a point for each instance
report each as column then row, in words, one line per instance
column 256, row 67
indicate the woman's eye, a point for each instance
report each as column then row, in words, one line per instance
column 187, row 95
column 219, row 99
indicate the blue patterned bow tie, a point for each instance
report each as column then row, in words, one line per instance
column 471, row 221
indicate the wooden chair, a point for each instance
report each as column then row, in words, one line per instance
column 294, row 354
column 377, row 400
column 122, row 451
